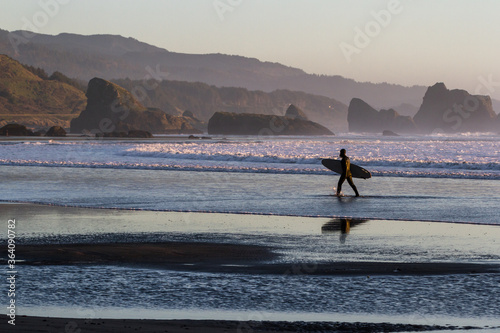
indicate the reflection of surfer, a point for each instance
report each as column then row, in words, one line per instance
column 346, row 173
column 345, row 228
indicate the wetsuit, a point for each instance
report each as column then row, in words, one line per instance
column 346, row 174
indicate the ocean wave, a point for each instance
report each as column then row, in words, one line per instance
column 314, row 159
column 319, row 170
column 400, row 157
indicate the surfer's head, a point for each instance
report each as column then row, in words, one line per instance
column 342, row 152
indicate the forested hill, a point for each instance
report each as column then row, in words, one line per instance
column 31, row 97
column 117, row 57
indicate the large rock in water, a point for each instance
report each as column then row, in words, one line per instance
column 454, row 111
column 56, row 131
column 228, row 123
column 389, row 133
column 111, row 108
column 15, row 130
column 363, row 118
column 131, row 134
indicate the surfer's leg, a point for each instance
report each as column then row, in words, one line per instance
column 339, row 185
column 349, row 180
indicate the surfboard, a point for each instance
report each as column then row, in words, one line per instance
column 336, row 166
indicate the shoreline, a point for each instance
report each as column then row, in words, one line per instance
column 257, row 214
column 53, row 324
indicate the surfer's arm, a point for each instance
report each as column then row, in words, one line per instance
column 343, row 163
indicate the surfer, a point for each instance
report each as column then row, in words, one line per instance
column 346, row 173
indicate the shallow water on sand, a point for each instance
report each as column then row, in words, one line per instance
column 302, row 241
column 298, row 238
column 94, row 287
column 435, row 199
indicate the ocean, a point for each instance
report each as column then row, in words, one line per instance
column 438, row 178
column 435, row 178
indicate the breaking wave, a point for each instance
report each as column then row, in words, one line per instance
column 476, row 157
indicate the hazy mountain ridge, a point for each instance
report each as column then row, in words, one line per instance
column 29, row 96
column 103, row 44
column 204, row 100
column 112, row 57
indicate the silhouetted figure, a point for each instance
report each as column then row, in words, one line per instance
column 346, row 173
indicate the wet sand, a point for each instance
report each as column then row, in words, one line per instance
column 45, row 324
column 224, row 258
column 220, row 257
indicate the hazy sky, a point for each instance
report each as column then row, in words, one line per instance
column 404, row 42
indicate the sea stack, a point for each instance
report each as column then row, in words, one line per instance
column 454, row 111
column 228, row 123
column 111, row 108
column 364, row 118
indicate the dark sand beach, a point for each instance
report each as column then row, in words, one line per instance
column 216, row 254
column 49, row 325
column 224, row 258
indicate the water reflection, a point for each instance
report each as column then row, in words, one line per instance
column 342, row 225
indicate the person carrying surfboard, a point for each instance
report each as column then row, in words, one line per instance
column 346, row 173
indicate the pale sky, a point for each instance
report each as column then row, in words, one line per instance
column 403, row 42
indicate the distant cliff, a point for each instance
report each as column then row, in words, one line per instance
column 363, row 118
column 226, row 123
column 442, row 110
column 111, row 108
column 455, row 111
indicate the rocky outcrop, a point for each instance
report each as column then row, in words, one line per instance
column 295, row 113
column 195, row 122
column 406, row 109
column 111, row 108
column 56, row 131
column 139, row 134
column 389, row 133
column 130, row 134
column 454, row 111
column 15, row 130
column 227, row 123
column 363, row 118
column 203, row 100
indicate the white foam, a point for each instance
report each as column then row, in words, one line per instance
column 463, row 156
